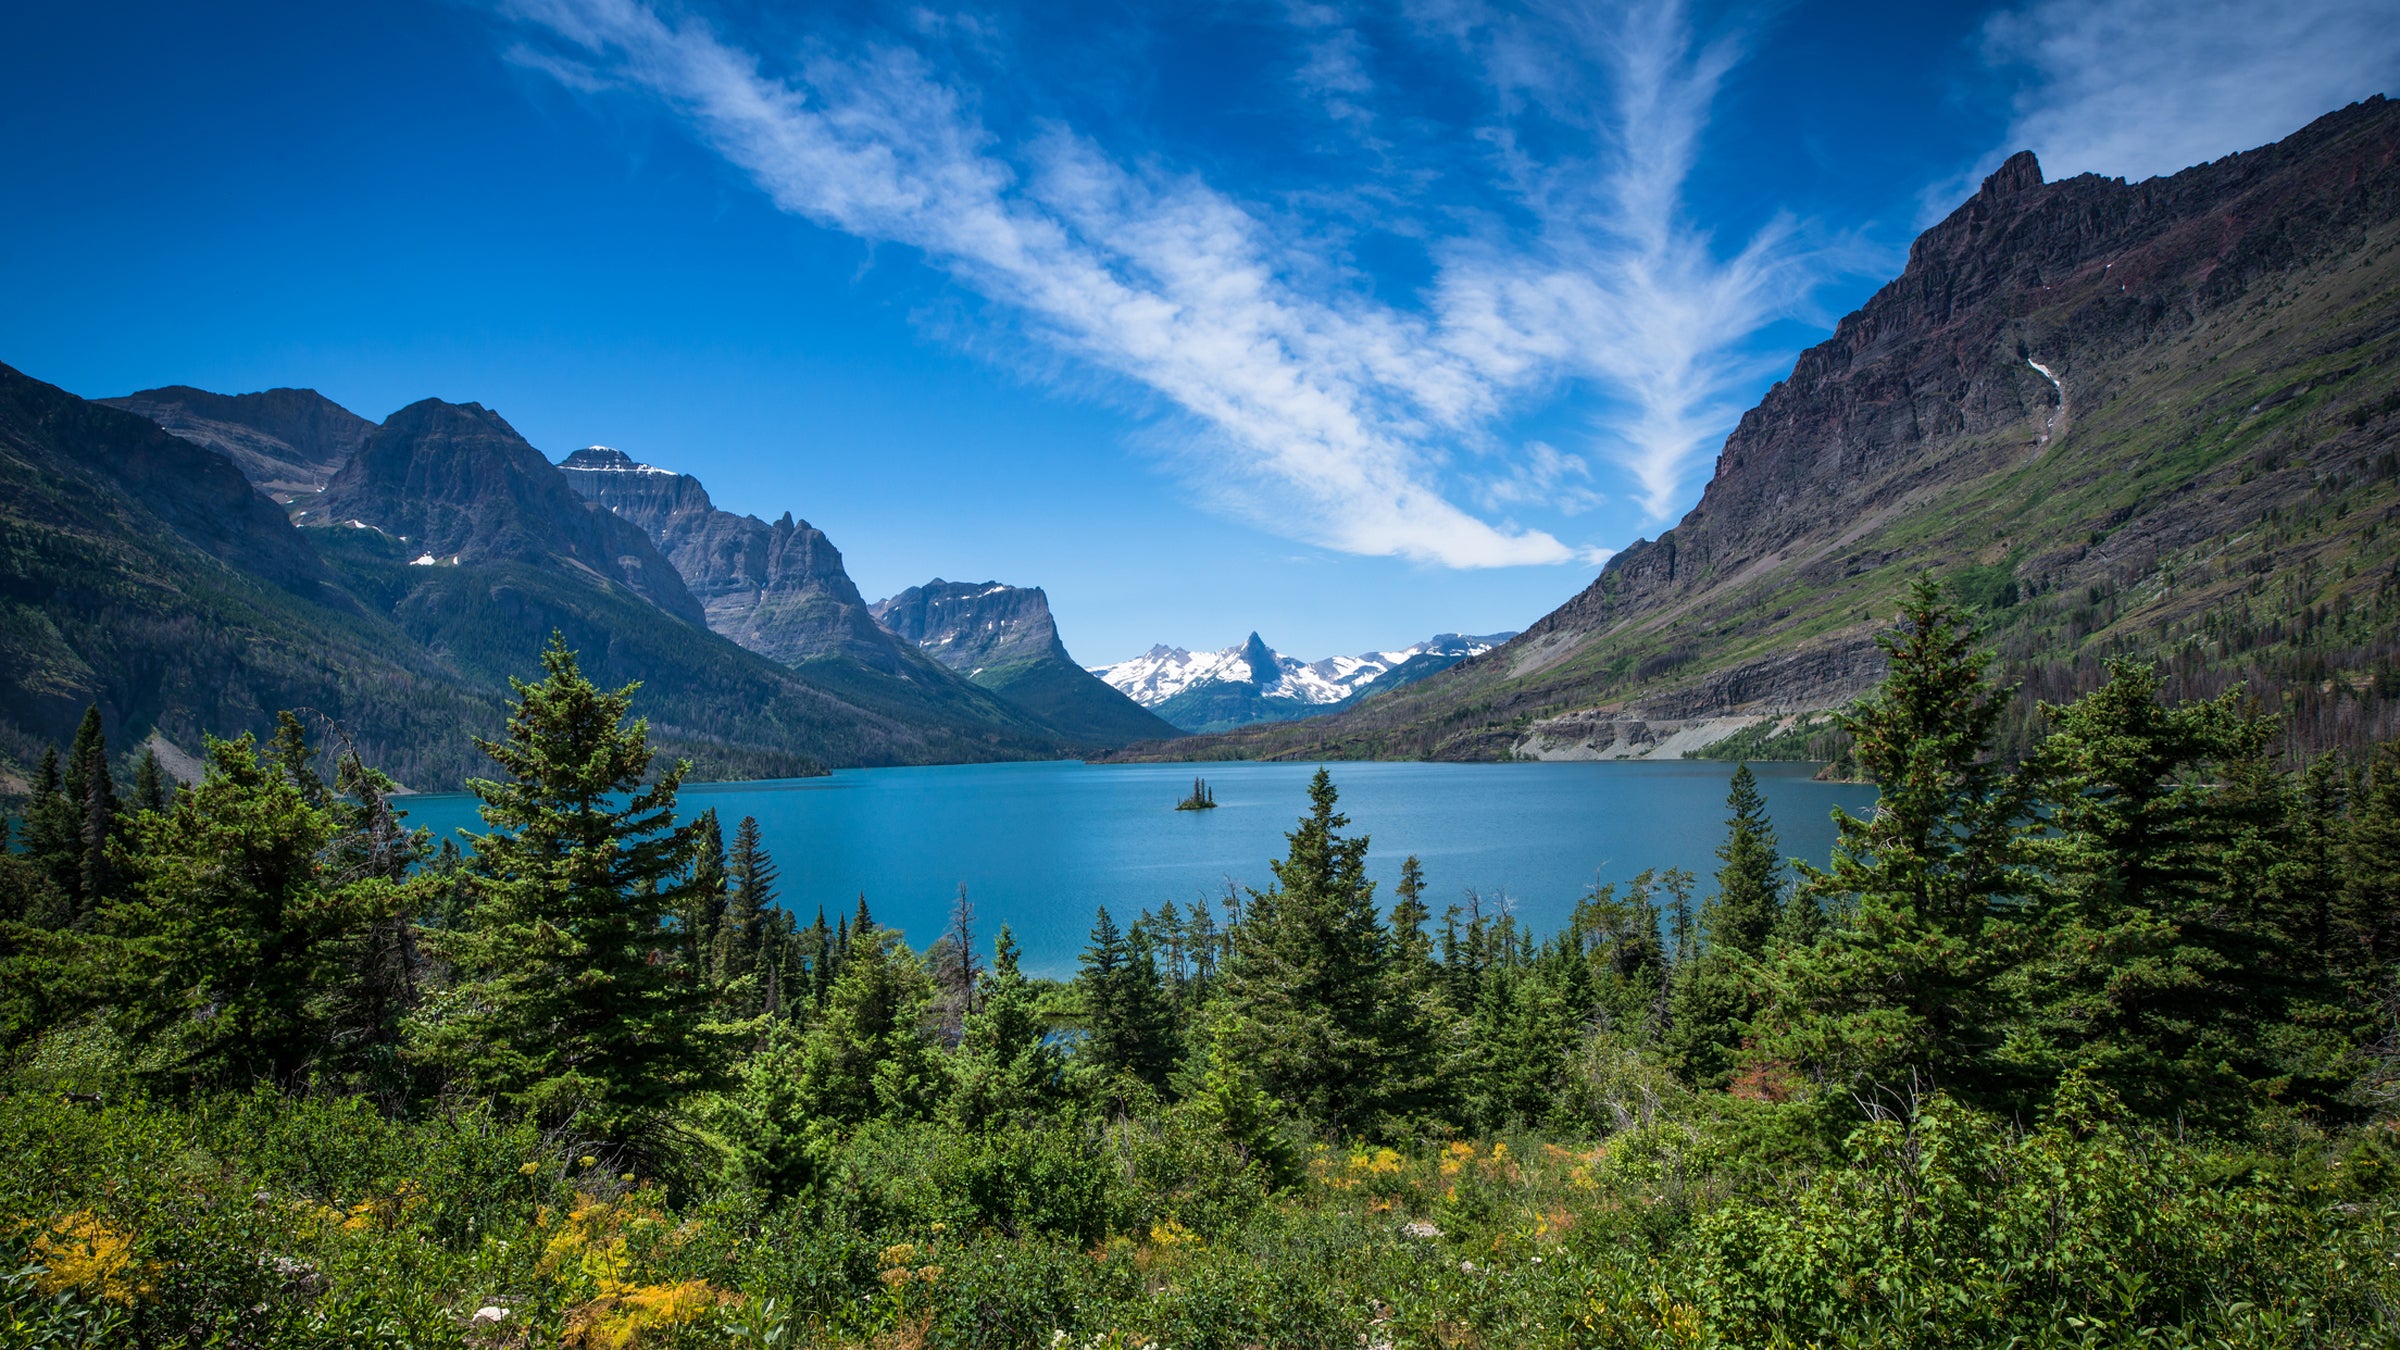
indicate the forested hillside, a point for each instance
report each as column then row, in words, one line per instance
column 2092, row 1047
column 433, row 555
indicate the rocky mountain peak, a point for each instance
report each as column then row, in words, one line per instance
column 779, row 590
column 1260, row 658
column 1005, row 639
column 2020, row 172
column 968, row 625
column 457, row 482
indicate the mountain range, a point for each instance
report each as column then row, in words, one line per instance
column 2158, row 420
column 1238, row 686
column 2151, row 419
column 194, row 562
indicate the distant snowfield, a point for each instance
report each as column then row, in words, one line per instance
column 1163, row 672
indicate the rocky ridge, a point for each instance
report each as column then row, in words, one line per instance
column 779, row 588
column 287, row 442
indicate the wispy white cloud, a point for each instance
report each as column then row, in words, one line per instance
column 1312, row 407
column 2137, row 88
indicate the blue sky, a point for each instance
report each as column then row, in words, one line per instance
column 1346, row 324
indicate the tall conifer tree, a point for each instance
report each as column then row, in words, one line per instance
column 1905, row 983
column 566, row 1009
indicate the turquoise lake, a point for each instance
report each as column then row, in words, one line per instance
column 1040, row 846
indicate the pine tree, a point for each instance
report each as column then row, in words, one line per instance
column 1005, row 1065
column 1129, row 1025
column 372, row 956
column 959, row 970
column 295, row 758
column 54, row 833
column 1905, row 983
column 1711, row 1004
column 866, row 1055
column 152, row 790
column 230, row 929
column 92, row 797
column 2370, row 898
column 751, row 906
column 2149, row 970
column 1750, row 882
column 1412, row 947
column 565, row 1008
column 706, row 914
column 1318, row 1014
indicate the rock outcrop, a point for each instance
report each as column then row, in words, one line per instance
column 1005, row 639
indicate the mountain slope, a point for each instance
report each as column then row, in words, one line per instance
column 1005, row 639
column 141, row 572
column 2152, row 419
column 287, row 442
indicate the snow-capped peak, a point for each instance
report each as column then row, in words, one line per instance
column 608, row 459
column 1163, row 672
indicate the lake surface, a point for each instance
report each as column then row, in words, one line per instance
column 1040, row 846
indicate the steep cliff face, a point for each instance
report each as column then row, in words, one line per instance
column 779, row 589
column 287, row 442
column 1005, row 639
column 457, row 484
column 2150, row 417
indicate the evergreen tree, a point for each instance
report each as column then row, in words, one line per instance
column 866, row 1055
column 372, row 956
column 1318, row 1013
column 1412, row 947
column 2369, row 922
column 1129, row 1025
column 152, row 789
column 54, row 833
column 1005, row 1065
column 564, row 1008
column 705, row 916
column 1750, row 879
column 229, row 933
column 92, row 797
column 1711, row 1006
column 1905, row 982
column 295, row 758
column 2148, row 968
column 752, row 903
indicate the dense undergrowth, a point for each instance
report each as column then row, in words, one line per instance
column 266, row 1220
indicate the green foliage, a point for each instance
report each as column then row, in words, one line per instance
column 562, row 1006
column 1905, row 980
column 1319, row 1007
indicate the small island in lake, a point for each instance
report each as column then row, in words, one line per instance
column 1203, row 798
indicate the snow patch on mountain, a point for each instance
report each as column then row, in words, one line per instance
column 1163, row 672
